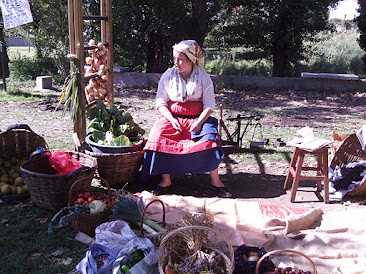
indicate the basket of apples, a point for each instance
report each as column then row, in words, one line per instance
column 97, row 206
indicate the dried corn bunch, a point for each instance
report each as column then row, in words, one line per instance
column 98, row 86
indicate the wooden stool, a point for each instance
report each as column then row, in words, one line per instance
column 296, row 166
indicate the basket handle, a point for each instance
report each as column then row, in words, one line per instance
column 181, row 229
column 73, row 186
column 283, row 251
column 143, row 214
column 18, row 126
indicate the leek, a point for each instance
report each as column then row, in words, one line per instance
column 129, row 209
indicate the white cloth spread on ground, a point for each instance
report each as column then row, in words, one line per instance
column 335, row 240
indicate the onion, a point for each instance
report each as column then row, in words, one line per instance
column 101, row 96
column 93, row 82
column 101, row 72
column 95, row 55
column 89, row 89
column 100, row 45
column 97, row 62
column 99, row 81
column 91, row 42
column 104, row 58
column 91, row 97
column 90, row 70
column 104, row 77
column 88, row 60
column 102, row 90
column 104, row 85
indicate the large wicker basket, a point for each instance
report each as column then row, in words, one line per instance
column 19, row 141
column 350, row 151
column 118, row 168
column 165, row 254
column 49, row 190
column 89, row 222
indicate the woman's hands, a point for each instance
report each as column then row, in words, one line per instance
column 195, row 127
column 175, row 124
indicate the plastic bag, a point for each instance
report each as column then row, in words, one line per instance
column 63, row 163
column 88, row 265
column 148, row 265
column 114, row 235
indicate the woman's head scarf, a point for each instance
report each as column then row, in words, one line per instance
column 192, row 50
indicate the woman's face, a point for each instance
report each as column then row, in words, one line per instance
column 183, row 64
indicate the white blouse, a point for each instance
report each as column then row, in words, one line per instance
column 199, row 87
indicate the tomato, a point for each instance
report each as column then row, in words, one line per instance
column 80, row 201
column 90, row 199
column 81, row 195
column 94, row 197
column 87, row 195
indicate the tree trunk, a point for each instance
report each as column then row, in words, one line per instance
column 155, row 54
column 199, row 21
column 281, row 61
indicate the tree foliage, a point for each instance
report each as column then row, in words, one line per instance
column 361, row 22
column 273, row 29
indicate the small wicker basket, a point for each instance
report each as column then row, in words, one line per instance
column 349, row 151
column 163, row 254
column 89, row 222
column 284, row 251
column 49, row 190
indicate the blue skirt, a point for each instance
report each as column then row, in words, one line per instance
column 155, row 163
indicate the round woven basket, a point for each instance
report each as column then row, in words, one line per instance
column 118, row 168
column 89, row 222
column 284, row 251
column 163, row 254
column 49, row 190
column 19, row 141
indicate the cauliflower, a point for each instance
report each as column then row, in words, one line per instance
column 96, row 206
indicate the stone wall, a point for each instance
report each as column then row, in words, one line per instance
column 315, row 81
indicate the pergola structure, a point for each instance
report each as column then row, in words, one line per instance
column 77, row 47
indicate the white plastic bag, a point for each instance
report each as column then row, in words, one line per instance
column 148, row 265
column 114, row 235
column 88, row 264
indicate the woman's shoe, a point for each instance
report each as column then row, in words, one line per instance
column 159, row 190
column 223, row 191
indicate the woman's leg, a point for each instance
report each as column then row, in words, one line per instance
column 215, row 178
column 165, row 181
column 218, row 185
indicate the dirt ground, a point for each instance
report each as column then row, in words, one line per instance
column 256, row 180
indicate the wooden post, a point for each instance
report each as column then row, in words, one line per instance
column 107, row 36
column 77, row 47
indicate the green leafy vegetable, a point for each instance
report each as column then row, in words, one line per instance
column 112, row 126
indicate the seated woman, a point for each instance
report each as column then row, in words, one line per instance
column 184, row 138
